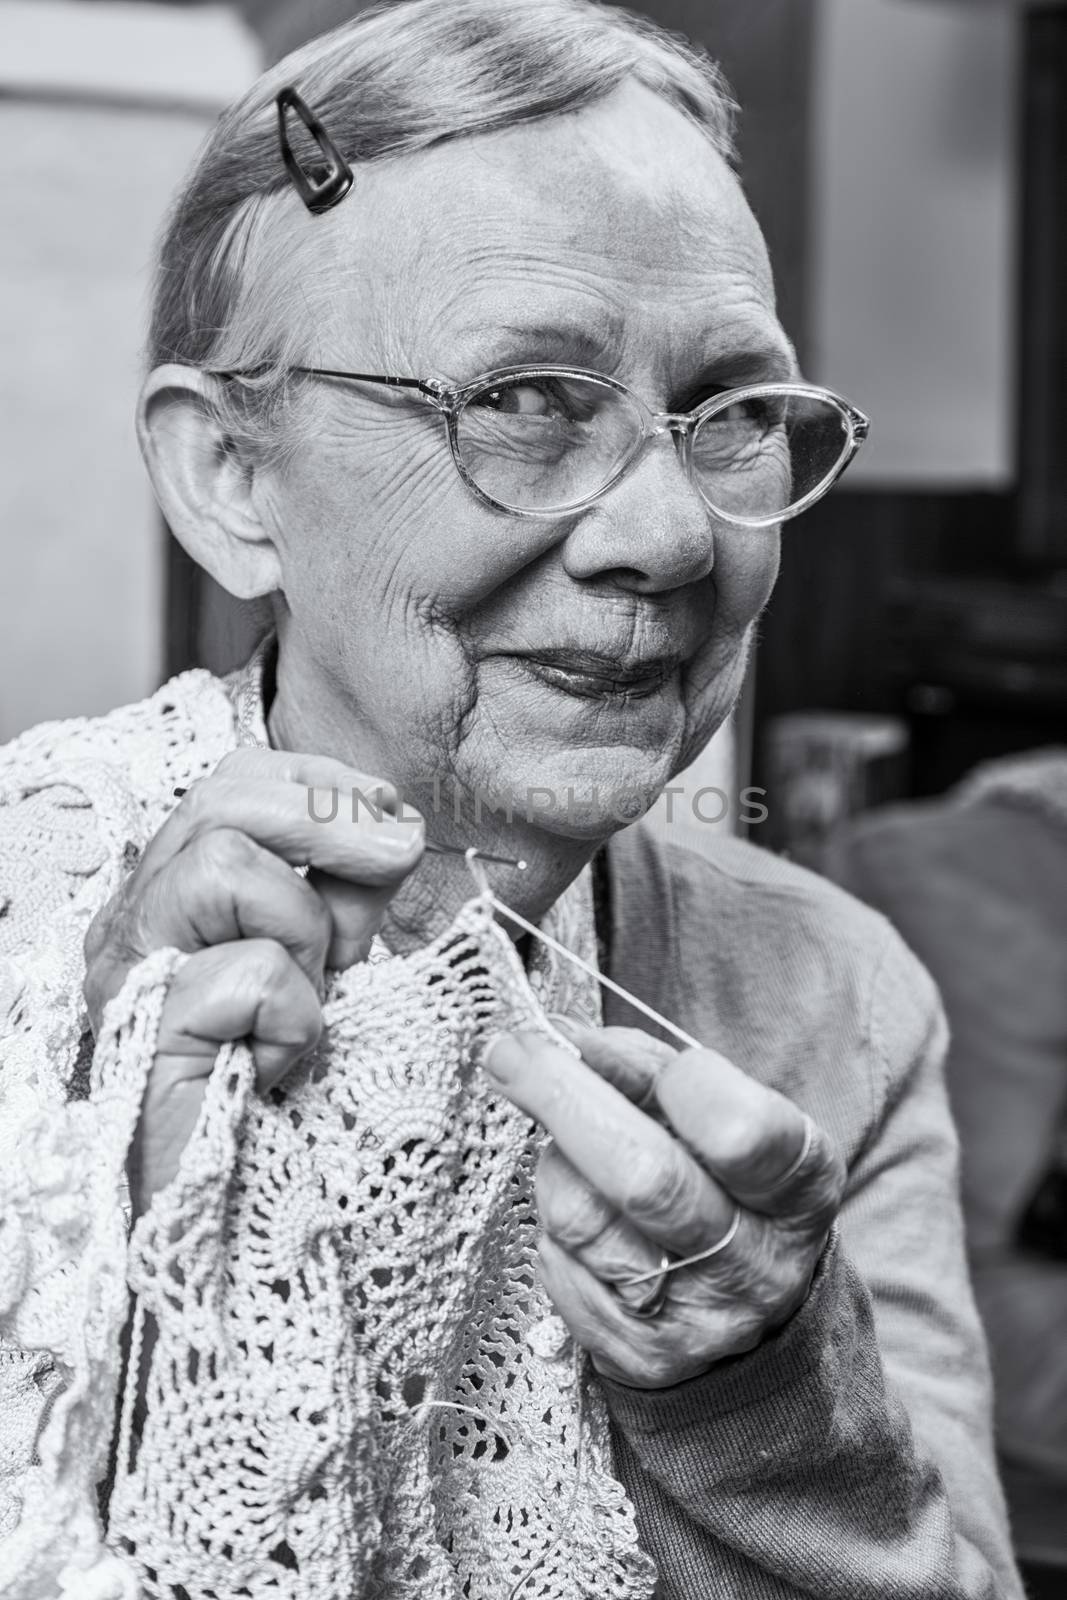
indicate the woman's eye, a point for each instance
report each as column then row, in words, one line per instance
column 740, row 411
column 521, row 399
column 758, row 411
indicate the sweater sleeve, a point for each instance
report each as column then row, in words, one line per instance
column 850, row 1456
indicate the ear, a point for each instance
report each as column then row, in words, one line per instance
column 205, row 481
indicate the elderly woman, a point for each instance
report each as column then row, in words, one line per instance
column 442, row 1279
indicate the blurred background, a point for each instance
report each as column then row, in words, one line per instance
column 908, row 161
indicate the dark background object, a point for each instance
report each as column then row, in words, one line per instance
column 1043, row 1227
column 951, row 609
column 1042, row 331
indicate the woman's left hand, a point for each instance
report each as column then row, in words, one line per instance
column 658, row 1152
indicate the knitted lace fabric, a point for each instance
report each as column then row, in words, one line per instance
column 358, row 1387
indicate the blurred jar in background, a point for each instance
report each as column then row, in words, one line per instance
column 825, row 766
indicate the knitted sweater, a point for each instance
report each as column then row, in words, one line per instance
column 849, row 1456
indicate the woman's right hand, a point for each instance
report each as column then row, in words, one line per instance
column 217, row 881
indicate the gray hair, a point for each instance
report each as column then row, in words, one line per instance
column 396, row 78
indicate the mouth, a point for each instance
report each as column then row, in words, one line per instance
column 591, row 676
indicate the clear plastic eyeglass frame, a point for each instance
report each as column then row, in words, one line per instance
column 451, row 401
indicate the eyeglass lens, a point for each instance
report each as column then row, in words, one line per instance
column 544, row 442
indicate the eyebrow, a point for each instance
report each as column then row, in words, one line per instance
column 752, row 360
column 749, row 356
column 567, row 342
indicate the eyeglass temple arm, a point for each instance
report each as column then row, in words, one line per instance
column 430, row 387
column 861, row 423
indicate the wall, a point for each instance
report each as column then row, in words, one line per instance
column 101, row 110
column 913, row 213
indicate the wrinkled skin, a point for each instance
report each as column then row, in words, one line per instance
column 408, row 604
column 408, row 614
column 655, row 1152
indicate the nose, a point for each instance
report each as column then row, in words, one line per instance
column 650, row 533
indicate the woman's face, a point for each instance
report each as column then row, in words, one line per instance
column 425, row 633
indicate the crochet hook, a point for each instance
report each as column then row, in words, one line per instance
column 480, row 855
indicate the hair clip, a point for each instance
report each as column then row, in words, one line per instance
column 320, row 188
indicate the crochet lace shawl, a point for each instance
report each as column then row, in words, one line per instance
column 358, row 1387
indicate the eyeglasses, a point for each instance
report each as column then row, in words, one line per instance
column 541, row 441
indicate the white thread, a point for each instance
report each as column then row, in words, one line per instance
column 687, row 1039
column 477, row 871
column 575, row 960
column 690, row 1261
column 679, row 1033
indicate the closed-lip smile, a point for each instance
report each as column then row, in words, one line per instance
column 592, row 675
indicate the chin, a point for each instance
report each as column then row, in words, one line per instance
column 572, row 794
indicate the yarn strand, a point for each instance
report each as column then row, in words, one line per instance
column 601, row 978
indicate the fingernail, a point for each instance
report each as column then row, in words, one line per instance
column 503, row 1055
column 402, row 837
